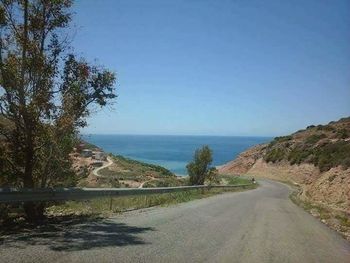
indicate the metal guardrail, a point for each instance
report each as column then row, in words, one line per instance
column 12, row 195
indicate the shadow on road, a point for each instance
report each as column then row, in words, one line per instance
column 76, row 234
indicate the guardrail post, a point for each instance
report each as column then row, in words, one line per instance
column 110, row 203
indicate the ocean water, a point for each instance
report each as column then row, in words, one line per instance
column 173, row 152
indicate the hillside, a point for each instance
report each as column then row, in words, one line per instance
column 121, row 172
column 324, row 146
column 316, row 158
column 125, row 172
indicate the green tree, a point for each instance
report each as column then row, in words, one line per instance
column 46, row 94
column 199, row 169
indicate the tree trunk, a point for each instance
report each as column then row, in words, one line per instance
column 34, row 211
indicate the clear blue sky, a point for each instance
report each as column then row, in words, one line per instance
column 235, row 67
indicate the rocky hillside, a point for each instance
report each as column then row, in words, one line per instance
column 317, row 158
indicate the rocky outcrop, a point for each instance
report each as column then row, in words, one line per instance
column 244, row 162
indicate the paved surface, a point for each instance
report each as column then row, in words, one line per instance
column 260, row 225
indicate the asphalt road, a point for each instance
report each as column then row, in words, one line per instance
column 260, row 225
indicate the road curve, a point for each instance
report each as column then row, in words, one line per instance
column 109, row 163
column 260, row 225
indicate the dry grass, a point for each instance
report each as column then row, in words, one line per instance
column 337, row 220
column 108, row 206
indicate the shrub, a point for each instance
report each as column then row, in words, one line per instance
column 284, row 138
column 279, row 140
column 314, row 138
column 298, row 155
column 342, row 134
column 199, row 169
column 332, row 155
column 275, row 155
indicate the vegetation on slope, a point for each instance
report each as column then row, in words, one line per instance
column 325, row 146
column 125, row 171
column 157, row 170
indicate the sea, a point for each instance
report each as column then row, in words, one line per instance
column 171, row 151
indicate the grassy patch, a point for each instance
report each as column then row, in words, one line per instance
column 108, row 206
column 129, row 169
column 317, row 210
column 234, row 180
column 137, row 166
column 165, row 182
column 344, row 220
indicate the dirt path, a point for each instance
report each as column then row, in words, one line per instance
column 109, row 163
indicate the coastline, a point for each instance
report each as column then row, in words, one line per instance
column 172, row 151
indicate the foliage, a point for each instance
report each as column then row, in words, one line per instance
column 284, row 138
column 45, row 94
column 130, row 169
column 120, row 204
column 234, row 180
column 102, row 206
column 199, row 169
column 337, row 219
column 325, row 146
column 165, row 182
column 161, row 171
column 280, row 139
column 298, row 155
column 275, row 155
column 323, row 156
column 331, row 155
column 315, row 138
column 343, row 134
column 324, row 128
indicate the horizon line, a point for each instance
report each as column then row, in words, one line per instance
column 192, row 135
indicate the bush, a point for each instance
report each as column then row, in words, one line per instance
column 279, row 140
column 323, row 156
column 314, row 138
column 274, row 155
column 298, row 155
column 332, row 155
column 143, row 166
column 342, row 134
column 166, row 182
column 199, row 169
